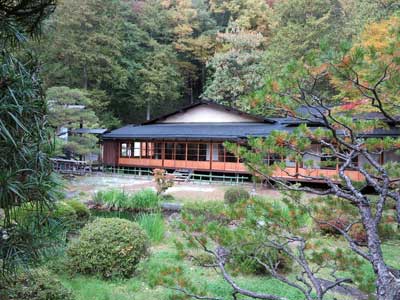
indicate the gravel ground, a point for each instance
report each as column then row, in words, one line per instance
column 86, row 186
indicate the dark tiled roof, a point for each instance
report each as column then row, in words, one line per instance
column 89, row 130
column 224, row 131
column 214, row 131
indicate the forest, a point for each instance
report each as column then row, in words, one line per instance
column 133, row 60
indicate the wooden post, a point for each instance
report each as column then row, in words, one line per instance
column 211, row 155
column 163, row 153
column 174, row 154
column 186, row 154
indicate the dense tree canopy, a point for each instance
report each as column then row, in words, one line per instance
column 108, row 47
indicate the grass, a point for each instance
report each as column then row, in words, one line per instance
column 153, row 224
column 137, row 288
column 144, row 199
column 164, row 253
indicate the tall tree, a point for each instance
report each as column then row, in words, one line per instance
column 300, row 26
column 239, row 70
column 83, row 44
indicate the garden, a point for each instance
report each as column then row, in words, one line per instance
column 126, row 245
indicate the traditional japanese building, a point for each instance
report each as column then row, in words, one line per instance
column 192, row 139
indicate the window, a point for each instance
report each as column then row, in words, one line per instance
column 230, row 157
column 147, row 150
column 216, row 152
column 203, row 152
column 328, row 159
column 124, row 150
column 169, row 150
column 193, row 152
column 180, row 151
column 290, row 161
column 391, row 156
column 158, row 150
column 136, row 149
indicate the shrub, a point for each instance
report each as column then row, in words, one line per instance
column 337, row 217
column 153, row 224
column 64, row 213
column 163, row 180
column 61, row 213
column 357, row 232
column 81, row 211
column 211, row 210
column 109, row 247
column 144, row 199
column 235, row 194
column 243, row 260
column 112, row 198
column 38, row 284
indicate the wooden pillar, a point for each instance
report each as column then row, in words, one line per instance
column 163, row 153
column 186, row 153
column 174, row 154
column 211, row 155
column 224, row 159
column 116, row 163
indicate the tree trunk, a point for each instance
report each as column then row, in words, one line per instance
column 388, row 286
column 148, row 111
column 85, row 78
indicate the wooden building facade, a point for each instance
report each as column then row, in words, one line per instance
column 193, row 138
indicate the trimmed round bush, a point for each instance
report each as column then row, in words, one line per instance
column 109, row 247
column 81, row 210
column 37, row 284
column 235, row 194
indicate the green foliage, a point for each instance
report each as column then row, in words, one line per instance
column 64, row 213
column 154, row 226
column 238, row 71
column 143, row 200
column 332, row 213
column 109, row 247
column 81, row 210
column 235, row 194
column 25, row 143
column 36, row 284
column 113, row 198
column 73, row 108
column 210, row 210
column 27, row 243
column 61, row 213
column 244, row 260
